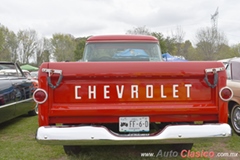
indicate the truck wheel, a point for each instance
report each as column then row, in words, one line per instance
column 34, row 112
column 72, row 150
column 235, row 119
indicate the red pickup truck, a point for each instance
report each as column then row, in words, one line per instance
column 121, row 92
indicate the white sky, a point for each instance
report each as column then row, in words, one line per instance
column 94, row 17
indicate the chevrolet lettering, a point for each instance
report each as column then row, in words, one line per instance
column 122, row 92
column 151, row 91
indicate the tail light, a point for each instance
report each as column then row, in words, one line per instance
column 226, row 93
column 40, row 96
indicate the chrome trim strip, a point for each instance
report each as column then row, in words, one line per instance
column 25, row 100
column 99, row 135
column 15, row 103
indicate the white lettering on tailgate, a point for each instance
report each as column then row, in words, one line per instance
column 188, row 89
column 76, row 92
column 106, row 92
column 162, row 92
column 120, row 93
column 175, row 90
column 134, row 91
column 92, row 91
column 149, row 91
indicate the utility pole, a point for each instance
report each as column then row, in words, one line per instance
column 214, row 18
column 214, row 35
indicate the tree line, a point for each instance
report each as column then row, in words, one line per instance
column 27, row 47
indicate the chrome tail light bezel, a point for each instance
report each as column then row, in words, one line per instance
column 42, row 90
column 221, row 90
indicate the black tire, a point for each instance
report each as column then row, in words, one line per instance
column 72, row 150
column 235, row 118
column 34, row 112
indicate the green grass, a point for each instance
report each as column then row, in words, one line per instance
column 17, row 142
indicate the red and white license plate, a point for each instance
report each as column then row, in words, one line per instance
column 134, row 124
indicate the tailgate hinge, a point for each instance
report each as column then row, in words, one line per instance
column 215, row 73
column 50, row 73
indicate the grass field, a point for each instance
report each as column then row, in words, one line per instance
column 17, row 142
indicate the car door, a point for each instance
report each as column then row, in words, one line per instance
column 7, row 100
column 23, row 93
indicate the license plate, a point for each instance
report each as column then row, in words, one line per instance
column 134, row 124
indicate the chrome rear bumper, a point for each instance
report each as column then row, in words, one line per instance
column 95, row 135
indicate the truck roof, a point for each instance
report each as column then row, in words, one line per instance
column 111, row 38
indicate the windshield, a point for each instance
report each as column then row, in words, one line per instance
column 122, row 51
column 7, row 69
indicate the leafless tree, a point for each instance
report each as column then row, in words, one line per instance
column 179, row 35
column 44, row 51
column 27, row 43
column 209, row 42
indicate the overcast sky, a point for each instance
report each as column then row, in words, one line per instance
column 94, row 17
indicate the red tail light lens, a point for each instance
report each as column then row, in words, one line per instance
column 40, row 96
column 226, row 93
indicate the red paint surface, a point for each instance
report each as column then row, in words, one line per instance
column 203, row 104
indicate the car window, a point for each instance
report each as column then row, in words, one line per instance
column 120, row 51
column 10, row 70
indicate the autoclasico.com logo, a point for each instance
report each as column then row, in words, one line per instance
column 190, row 154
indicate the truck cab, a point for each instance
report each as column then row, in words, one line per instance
column 122, row 48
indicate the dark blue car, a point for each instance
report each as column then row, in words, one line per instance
column 15, row 93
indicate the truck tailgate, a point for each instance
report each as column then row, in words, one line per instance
column 164, row 91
